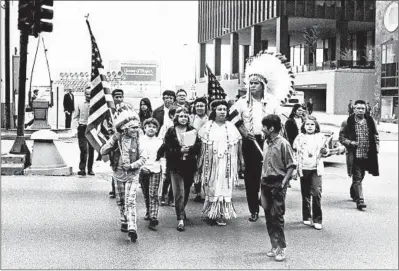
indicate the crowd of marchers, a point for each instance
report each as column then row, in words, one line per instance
column 181, row 146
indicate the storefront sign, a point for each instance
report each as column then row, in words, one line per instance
column 139, row 73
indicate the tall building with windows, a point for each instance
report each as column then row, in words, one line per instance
column 386, row 57
column 336, row 67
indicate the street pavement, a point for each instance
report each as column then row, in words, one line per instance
column 70, row 223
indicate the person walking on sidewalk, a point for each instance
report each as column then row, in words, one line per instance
column 151, row 171
column 278, row 165
column 350, row 108
column 86, row 150
column 360, row 137
column 127, row 160
column 69, row 107
column 309, row 106
column 309, row 146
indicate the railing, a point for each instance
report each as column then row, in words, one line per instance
column 324, row 66
column 334, row 65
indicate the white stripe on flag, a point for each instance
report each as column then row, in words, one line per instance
column 106, row 84
column 96, row 98
column 101, row 71
column 95, row 82
column 97, row 114
column 108, row 98
column 235, row 119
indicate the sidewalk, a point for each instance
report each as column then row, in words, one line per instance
column 336, row 120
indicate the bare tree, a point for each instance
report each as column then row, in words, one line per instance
column 310, row 36
column 346, row 54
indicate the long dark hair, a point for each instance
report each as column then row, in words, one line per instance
column 294, row 109
column 145, row 114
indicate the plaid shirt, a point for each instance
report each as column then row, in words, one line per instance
column 362, row 135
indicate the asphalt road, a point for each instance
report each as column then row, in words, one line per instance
column 70, row 223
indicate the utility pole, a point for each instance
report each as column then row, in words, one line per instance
column 19, row 146
column 25, row 22
column 30, row 15
column 7, row 66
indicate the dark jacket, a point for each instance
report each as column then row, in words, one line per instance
column 348, row 134
column 69, row 103
column 159, row 114
column 174, row 156
column 309, row 106
column 291, row 130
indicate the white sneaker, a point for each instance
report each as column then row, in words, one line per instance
column 280, row 255
column 272, row 252
column 318, row 226
column 307, row 222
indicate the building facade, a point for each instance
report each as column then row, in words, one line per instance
column 386, row 57
column 336, row 67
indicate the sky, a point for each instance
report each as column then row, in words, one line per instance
column 124, row 30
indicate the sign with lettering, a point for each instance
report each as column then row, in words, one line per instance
column 139, row 73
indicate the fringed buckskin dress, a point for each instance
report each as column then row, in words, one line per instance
column 218, row 168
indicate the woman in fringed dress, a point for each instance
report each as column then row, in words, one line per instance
column 218, row 164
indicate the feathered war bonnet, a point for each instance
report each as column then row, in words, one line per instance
column 273, row 71
column 126, row 119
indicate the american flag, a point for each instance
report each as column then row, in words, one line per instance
column 215, row 91
column 101, row 99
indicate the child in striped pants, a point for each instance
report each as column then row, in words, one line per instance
column 151, row 171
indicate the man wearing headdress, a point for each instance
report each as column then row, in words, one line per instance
column 268, row 83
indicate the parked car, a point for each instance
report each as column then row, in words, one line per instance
column 333, row 144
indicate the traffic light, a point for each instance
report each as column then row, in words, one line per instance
column 25, row 15
column 42, row 12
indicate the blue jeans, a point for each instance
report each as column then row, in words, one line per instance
column 273, row 202
column 311, row 194
column 181, row 184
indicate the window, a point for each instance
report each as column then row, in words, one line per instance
column 389, row 67
column 297, row 55
column 389, row 53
